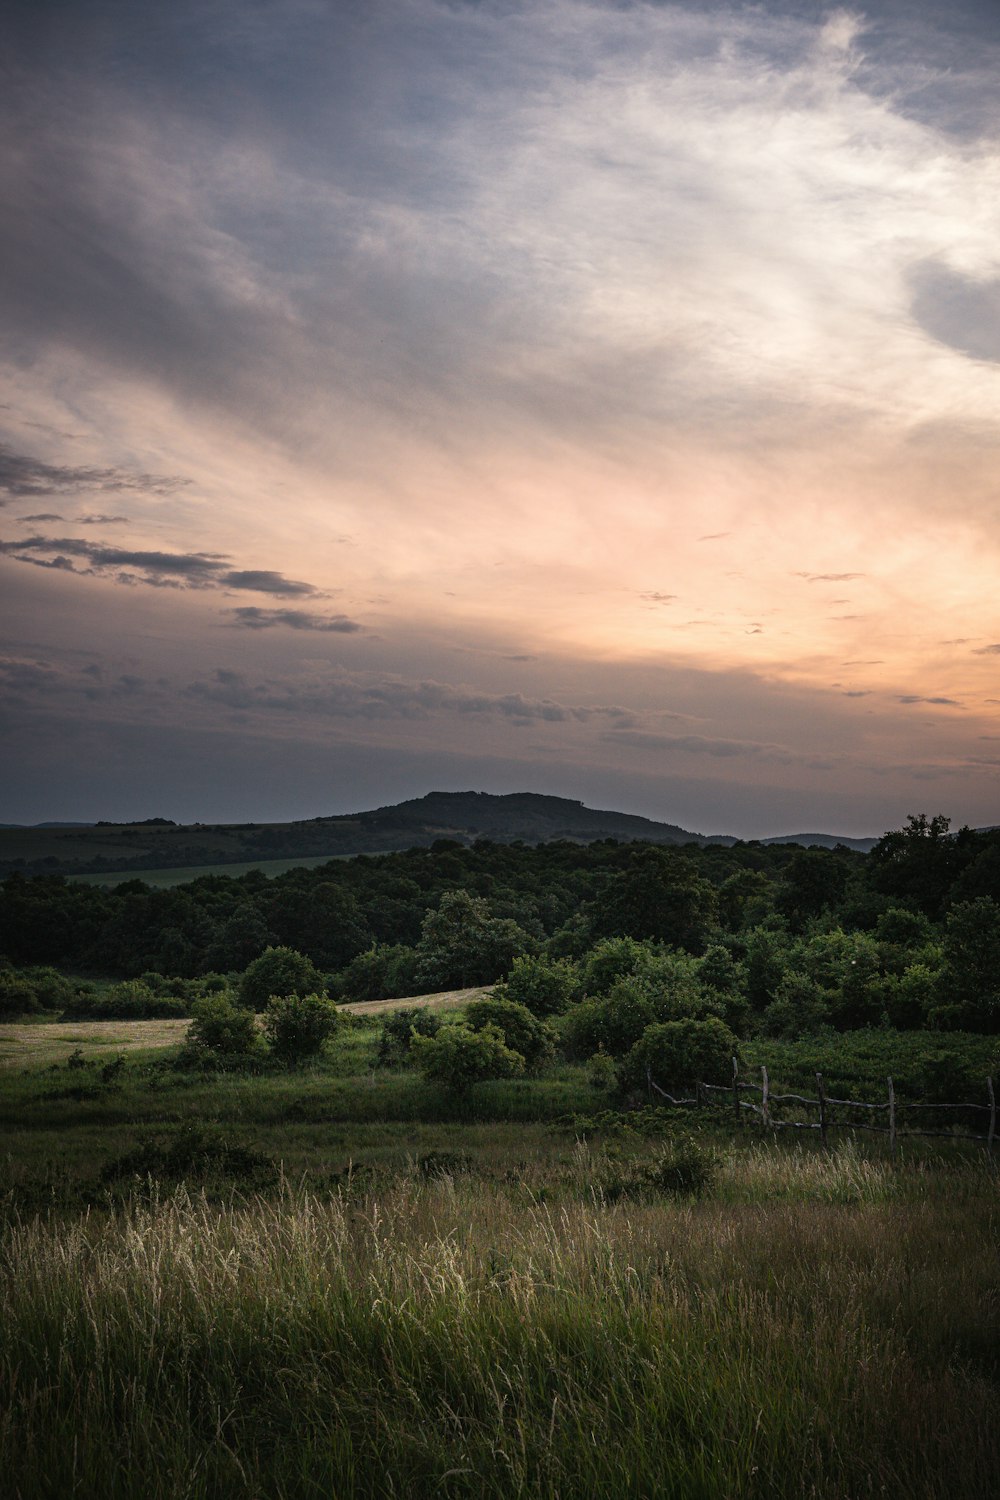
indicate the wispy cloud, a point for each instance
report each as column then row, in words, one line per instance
column 156, row 568
column 383, row 696
column 251, row 617
column 23, row 477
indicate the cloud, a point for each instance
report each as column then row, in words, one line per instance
column 829, row 577
column 657, row 598
column 45, row 515
column 719, row 749
column 155, row 568
column 916, row 698
column 960, row 311
column 383, row 696
column 253, row 618
column 993, row 650
column 95, row 520
column 262, row 581
column 22, row 476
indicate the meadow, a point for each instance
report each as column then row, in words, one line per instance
column 343, row 1282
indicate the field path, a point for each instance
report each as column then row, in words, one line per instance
column 25, row 1044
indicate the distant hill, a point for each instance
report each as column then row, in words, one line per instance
column 464, row 817
column 823, row 841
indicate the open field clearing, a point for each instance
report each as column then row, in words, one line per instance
column 37, row 1043
column 343, row 1281
column 33, row 1043
column 835, row 1334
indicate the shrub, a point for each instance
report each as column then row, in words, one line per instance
column 601, row 1072
column 544, row 986
column 52, row 989
column 459, row 1057
column 298, row 1026
column 17, row 997
column 521, row 1031
column 278, row 971
column 397, row 1033
column 221, row 1028
column 685, row 1168
column 679, row 1053
column 385, row 972
column 614, row 1023
column 609, row 961
column 194, row 1156
column 798, row 1009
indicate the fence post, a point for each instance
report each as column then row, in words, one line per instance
column 892, row 1115
column 993, row 1116
column 765, row 1107
column 822, row 1108
column 736, row 1091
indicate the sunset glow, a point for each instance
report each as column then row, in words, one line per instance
column 584, row 397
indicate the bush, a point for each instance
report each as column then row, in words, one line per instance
column 386, row 972
column 521, row 1031
column 613, row 1024
column 544, row 986
column 280, row 972
column 298, row 1026
column 601, row 1072
column 130, row 1000
column 798, row 1009
column 459, row 1057
column 17, row 997
column 679, row 1053
column 221, row 1029
column 52, row 989
column 397, row 1033
column 609, row 961
column 684, row 1169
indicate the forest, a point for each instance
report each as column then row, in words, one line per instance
column 781, row 941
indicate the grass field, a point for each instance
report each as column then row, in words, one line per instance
column 340, row 1283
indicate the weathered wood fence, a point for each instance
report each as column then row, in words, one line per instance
column 891, row 1108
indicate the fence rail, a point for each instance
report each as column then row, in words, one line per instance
column 824, row 1102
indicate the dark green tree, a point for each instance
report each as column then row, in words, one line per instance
column 278, row 971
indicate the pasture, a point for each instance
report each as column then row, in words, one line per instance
column 341, row 1282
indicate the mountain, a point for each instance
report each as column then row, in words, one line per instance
column 464, row 817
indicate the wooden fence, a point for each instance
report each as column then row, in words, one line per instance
column 824, row 1103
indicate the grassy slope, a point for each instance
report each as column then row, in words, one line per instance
column 820, row 1324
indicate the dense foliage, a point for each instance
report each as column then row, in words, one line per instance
column 776, row 941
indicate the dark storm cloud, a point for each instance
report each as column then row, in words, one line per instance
column 24, row 477
column 253, row 618
column 157, row 569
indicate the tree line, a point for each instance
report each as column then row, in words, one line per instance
column 778, row 939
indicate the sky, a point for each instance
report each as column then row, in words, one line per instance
column 591, row 397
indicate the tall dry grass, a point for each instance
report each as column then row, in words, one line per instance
column 810, row 1331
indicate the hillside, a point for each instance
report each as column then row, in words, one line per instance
column 158, row 844
column 464, row 817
